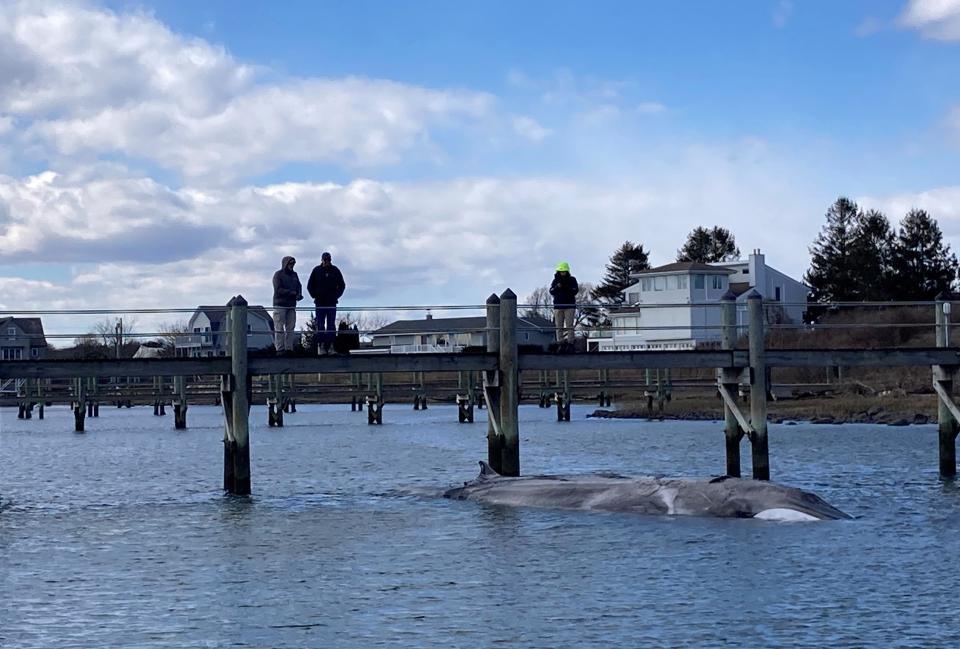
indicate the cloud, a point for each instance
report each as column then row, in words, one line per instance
column 936, row 19
column 943, row 204
column 529, row 128
column 51, row 218
column 868, row 27
column 88, row 82
column 651, row 107
column 782, row 13
column 135, row 242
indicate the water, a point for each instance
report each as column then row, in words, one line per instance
column 122, row 538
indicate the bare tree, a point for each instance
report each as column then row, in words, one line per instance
column 539, row 303
column 113, row 334
column 366, row 322
column 171, row 333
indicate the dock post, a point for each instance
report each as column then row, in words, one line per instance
column 491, row 387
column 236, row 404
column 509, row 381
column 180, row 403
column 943, row 378
column 79, row 405
column 729, row 378
column 758, row 388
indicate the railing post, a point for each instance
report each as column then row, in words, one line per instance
column 758, row 388
column 237, row 445
column 180, row 405
column 729, row 379
column 491, row 386
column 509, row 401
column 947, row 424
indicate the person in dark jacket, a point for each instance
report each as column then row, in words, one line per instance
column 287, row 291
column 564, row 291
column 325, row 286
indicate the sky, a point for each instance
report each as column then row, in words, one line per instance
column 169, row 154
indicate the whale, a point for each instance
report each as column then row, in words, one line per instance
column 722, row 496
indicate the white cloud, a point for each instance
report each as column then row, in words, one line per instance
column 87, row 81
column 782, row 13
column 651, row 107
column 936, row 19
column 135, row 242
column 6, row 124
column 943, row 204
column 529, row 128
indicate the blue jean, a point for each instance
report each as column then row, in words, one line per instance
column 326, row 331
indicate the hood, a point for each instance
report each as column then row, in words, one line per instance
column 283, row 262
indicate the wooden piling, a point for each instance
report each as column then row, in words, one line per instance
column 509, row 381
column 758, row 388
column 729, row 379
column 237, row 445
column 943, row 377
column 491, row 387
column 180, row 403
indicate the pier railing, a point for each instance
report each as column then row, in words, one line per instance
column 741, row 355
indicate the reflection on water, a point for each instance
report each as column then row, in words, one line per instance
column 122, row 537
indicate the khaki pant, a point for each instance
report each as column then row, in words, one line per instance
column 563, row 318
column 284, row 327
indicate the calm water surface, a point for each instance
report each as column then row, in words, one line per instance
column 122, row 538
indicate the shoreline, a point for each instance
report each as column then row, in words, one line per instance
column 906, row 410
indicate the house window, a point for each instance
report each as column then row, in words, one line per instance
column 646, row 285
column 196, row 330
column 12, row 353
column 776, row 293
column 682, row 281
column 35, row 352
column 633, row 298
column 717, row 281
column 698, row 281
column 12, row 332
column 671, row 282
column 659, row 283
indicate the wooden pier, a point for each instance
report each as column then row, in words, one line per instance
column 500, row 367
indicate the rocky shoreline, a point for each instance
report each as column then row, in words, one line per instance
column 872, row 414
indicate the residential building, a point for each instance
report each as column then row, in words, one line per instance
column 22, row 339
column 207, row 331
column 677, row 306
column 454, row 334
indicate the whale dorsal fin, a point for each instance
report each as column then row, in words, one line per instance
column 487, row 472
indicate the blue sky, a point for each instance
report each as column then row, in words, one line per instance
column 158, row 152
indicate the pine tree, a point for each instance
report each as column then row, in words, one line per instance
column 872, row 253
column 629, row 258
column 708, row 246
column 922, row 265
column 833, row 276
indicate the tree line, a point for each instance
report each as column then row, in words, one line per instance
column 857, row 256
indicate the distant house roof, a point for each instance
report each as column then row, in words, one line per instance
column 739, row 288
column 149, row 349
column 33, row 327
column 687, row 266
column 453, row 325
column 217, row 314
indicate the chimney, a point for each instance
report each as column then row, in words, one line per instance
column 429, row 315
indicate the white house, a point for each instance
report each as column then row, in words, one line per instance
column 453, row 334
column 208, row 324
column 677, row 306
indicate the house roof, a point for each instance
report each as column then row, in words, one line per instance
column 33, row 327
column 686, row 266
column 216, row 314
column 739, row 288
column 454, row 325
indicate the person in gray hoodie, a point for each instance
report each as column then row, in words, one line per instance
column 287, row 291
